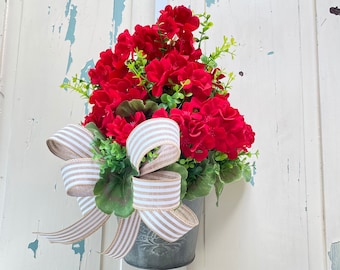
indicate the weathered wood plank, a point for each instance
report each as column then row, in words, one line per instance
column 286, row 86
column 328, row 34
column 43, row 45
column 267, row 222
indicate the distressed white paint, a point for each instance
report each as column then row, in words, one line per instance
column 329, row 58
column 289, row 56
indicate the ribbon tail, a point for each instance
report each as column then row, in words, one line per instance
column 125, row 236
column 170, row 225
column 86, row 204
column 83, row 228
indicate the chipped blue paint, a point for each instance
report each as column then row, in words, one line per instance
column 210, row 2
column 117, row 18
column 334, row 256
column 72, row 25
column 70, row 32
column 79, row 248
column 270, row 53
column 65, row 81
column 69, row 61
column 111, row 38
column 67, row 8
column 84, row 75
column 252, row 180
column 34, row 246
column 84, row 71
column 59, row 28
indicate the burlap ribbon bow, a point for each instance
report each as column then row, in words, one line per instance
column 156, row 192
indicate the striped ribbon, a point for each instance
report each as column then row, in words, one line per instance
column 156, row 192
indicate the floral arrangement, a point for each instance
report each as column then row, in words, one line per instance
column 158, row 71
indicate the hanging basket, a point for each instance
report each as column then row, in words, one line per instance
column 152, row 252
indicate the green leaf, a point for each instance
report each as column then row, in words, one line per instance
column 230, row 172
column 114, row 191
column 218, row 190
column 130, row 107
column 204, row 181
column 246, row 173
column 95, row 130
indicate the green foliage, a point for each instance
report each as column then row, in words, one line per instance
column 80, row 86
column 227, row 47
column 206, row 24
column 137, row 67
column 216, row 171
column 129, row 107
column 210, row 61
column 202, row 178
column 113, row 190
column 114, row 193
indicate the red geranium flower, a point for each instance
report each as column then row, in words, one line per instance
column 166, row 60
column 120, row 128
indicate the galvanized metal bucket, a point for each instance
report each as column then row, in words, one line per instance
column 152, row 252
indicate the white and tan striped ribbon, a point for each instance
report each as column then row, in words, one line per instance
column 151, row 134
column 128, row 230
column 71, row 142
column 86, row 203
column 80, row 174
column 170, row 225
column 83, row 228
column 156, row 192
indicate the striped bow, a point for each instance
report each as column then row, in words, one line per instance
column 156, row 192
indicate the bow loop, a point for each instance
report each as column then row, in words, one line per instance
column 162, row 194
column 150, row 134
column 73, row 141
column 156, row 192
column 80, row 176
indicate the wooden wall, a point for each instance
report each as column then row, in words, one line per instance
column 288, row 54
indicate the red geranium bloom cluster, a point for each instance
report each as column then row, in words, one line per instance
column 160, row 62
column 210, row 125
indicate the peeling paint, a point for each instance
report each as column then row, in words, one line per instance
column 252, row 180
column 70, row 30
column 210, row 2
column 334, row 256
column 34, row 246
column 117, row 18
column 84, row 75
column 65, row 81
column 270, row 53
column 84, row 71
column 67, row 8
column 72, row 25
column 69, row 61
column 79, row 248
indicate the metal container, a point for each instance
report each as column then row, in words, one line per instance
column 154, row 253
